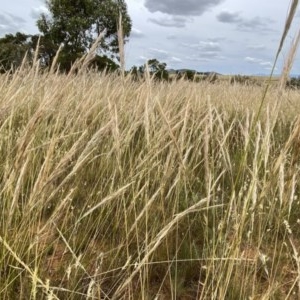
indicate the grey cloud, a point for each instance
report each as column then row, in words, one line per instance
column 159, row 53
column 167, row 21
column 136, row 33
column 37, row 11
column 263, row 63
column 256, row 47
column 171, row 37
column 10, row 23
column 192, row 58
column 178, row 12
column 217, row 39
column 17, row 19
column 175, row 59
column 181, row 8
column 210, row 46
column 243, row 24
column 3, row 29
column 162, row 56
column 206, row 50
column 257, row 24
column 211, row 55
column 142, row 59
column 229, row 17
column 197, row 58
column 10, row 20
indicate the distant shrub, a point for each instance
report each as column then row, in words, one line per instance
column 243, row 79
column 136, row 74
column 294, row 83
column 161, row 75
column 104, row 63
column 191, row 75
column 212, row 77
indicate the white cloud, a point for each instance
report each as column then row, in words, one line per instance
column 253, row 59
column 175, row 59
column 261, row 62
column 136, row 33
column 196, row 58
column 256, row 47
column 204, row 46
column 159, row 53
column 266, row 63
column 37, row 11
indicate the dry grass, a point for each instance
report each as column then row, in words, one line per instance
column 144, row 190
column 115, row 189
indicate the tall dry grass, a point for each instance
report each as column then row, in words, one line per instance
column 146, row 190
column 136, row 191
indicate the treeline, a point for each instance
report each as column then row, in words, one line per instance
column 21, row 48
column 70, row 30
column 294, row 83
column 158, row 70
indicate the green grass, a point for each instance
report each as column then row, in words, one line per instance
column 121, row 190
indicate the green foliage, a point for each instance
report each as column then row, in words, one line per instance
column 162, row 75
column 190, row 75
column 187, row 74
column 212, row 77
column 104, row 63
column 155, row 67
column 46, row 49
column 76, row 24
column 13, row 48
column 242, row 79
column 294, row 83
column 195, row 76
column 135, row 73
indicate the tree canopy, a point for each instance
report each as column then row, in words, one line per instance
column 155, row 67
column 13, row 49
column 75, row 24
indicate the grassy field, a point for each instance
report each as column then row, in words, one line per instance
column 114, row 189
column 252, row 79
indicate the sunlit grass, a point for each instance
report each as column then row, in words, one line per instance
column 113, row 188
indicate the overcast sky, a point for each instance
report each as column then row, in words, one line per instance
column 226, row 36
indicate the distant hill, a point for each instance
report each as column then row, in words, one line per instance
column 209, row 73
column 179, row 71
column 171, row 71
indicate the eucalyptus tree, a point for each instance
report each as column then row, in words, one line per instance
column 75, row 24
column 13, row 49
